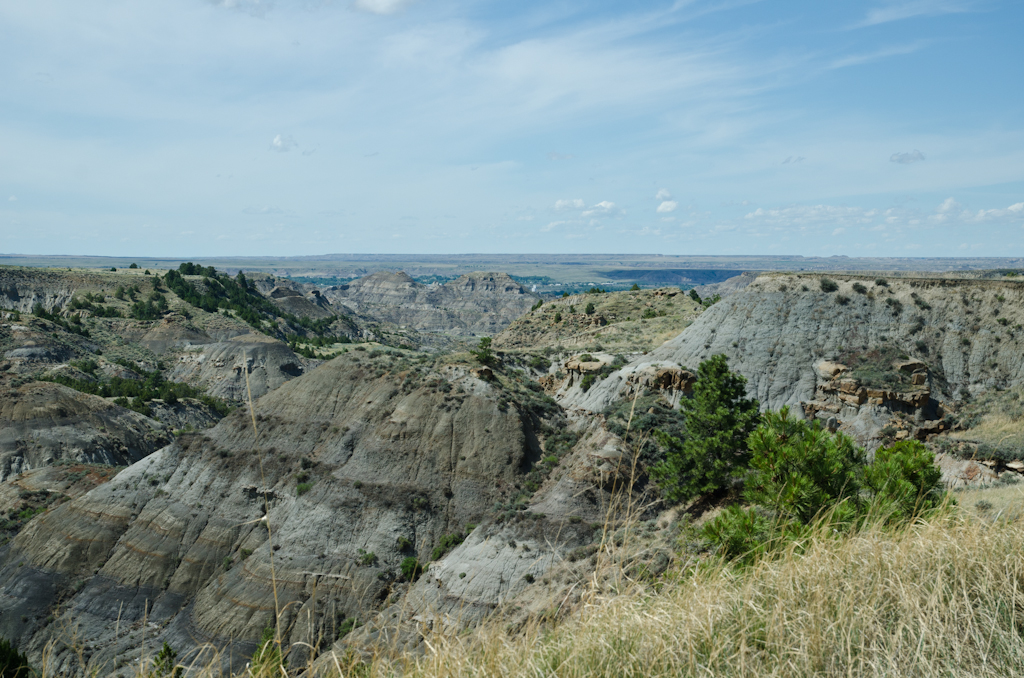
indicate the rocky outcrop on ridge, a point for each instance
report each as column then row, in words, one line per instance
column 361, row 462
column 43, row 423
column 220, row 367
column 622, row 322
column 473, row 305
column 775, row 332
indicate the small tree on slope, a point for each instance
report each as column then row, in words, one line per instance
column 718, row 420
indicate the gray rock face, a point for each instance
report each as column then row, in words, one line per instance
column 773, row 333
column 41, row 423
column 179, row 534
column 220, row 367
column 474, row 304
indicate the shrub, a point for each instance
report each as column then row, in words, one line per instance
column 718, row 420
column 367, row 558
column 828, row 285
column 842, row 300
column 634, row 288
column 589, row 310
column 540, row 302
column 588, row 381
column 586, row 358
column 302, row 488
column 411, row 569
column 12, row 662
column 539, row 362
column 695, row 296
column 881, row 282
column 895, row 305
column 649, row 313
column 921, row 346
column 799, row 468
column 483, row 352
column 267, row 660
column 859, row 288
column 904, row 480
column 528, row 578
column 404, row 544
column 163, row 664
column 558, row 317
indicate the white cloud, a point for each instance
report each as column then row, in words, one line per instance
column 793, row 159
column 283, row 143
column 667, row 206
column 13, row 198
column 382, row 6
column 948, row 205
column 602, row 209
column 552, row 225
column 907, row 158
column 562, row 205
column 663, row 194
column 896, row 11
column 839, row 231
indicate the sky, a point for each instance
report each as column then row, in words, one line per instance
column 304, row 127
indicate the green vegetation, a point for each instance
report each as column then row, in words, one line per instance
column 483, row 353
column 828, row 285
column 859, row 288
column 801, row 475
column 634, row 288
column 140, row 391
column 589, row 310
column 411, row 569
column 268, row 660
column 718, row 419
column 74, row 325
column 13, row 664
column 164, row 665
column 447, row 543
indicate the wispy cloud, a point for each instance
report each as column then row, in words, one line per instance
column 263, row 210
column 604, row 208
column 907, row 158
column 663, row 194
column 897, row 11
column 382, row 6
column 667, row 206
column 884, row 53
column 793, row 159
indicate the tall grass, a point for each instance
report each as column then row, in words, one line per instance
column 942, row 598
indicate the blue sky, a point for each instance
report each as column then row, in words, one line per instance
column 192, row 128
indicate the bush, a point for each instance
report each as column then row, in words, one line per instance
column 802, row 475
column 895, row 304
column 267, row 660
column 12, row 662
column 718, row 420
column 695, row 296
column 634, row 288
column 842, row 300
column 649, row 313
column 904, row 480
column 881, row 282
column 411, row 569
column 302, row 488
column 798, row 469
column 163, row 664
column 558, row 317
column 539, row 362
column 483, row 352
column 859, row 288
column 828, row 285
column 589, row 310
column 588, row 381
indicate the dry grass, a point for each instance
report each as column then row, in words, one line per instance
column 942, row 598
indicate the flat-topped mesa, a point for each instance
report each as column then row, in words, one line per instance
column 479, row 303
column 500, row 283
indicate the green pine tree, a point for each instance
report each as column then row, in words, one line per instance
column 718, row 419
